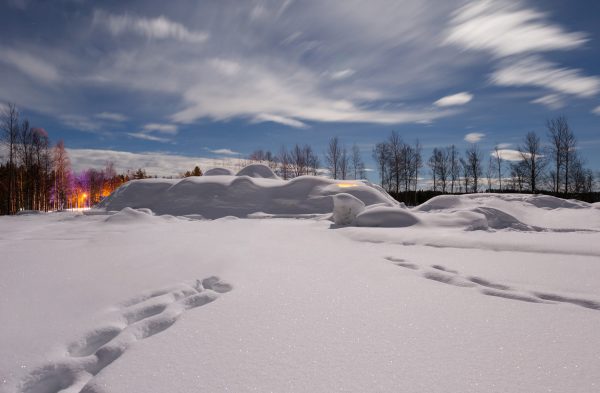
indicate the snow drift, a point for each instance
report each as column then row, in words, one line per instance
column 257, row 192
column 254, row 190
column 515, row 211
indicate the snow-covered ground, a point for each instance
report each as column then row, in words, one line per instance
column 480, row 293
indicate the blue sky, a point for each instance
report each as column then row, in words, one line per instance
column 164, row 84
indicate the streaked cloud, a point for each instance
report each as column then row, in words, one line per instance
column 474, row 137
column 148, row 137
column 508, row 154
column 111, row 116
column 152, row 28
column 155, row 163
column 265, row 117
column 162, row 128
column 454, row 99
column 78, row 122
column 342, row 74
column 596, row 110
column 505, row 28
column 533, row 71
column 226, row 152
column 551, row 101
column 33, row 66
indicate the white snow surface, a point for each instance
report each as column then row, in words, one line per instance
column 224, row 195
column 477, row 293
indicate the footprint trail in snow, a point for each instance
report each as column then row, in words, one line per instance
column 139, row 318
column 444, row 275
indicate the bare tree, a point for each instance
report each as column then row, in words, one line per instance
column 381, row 156
column 396, row 157
column 532, row 159
column 440, row 168
column 344, row 164
column 498, row 158
column 298, row 160
column 489, row 173
column 333, row 156
column 473, row 161
column 454, row 160
column 358, row 166
column 562, row 149
column 284, row 163
column 417, row 164
column 518, row 173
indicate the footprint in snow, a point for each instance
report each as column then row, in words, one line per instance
column 140, row 317
column 486, row 287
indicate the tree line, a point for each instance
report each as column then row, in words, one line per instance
column 301, row 160
column 555, row 167
column 37, row 175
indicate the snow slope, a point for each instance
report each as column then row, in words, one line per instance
column 97, row 305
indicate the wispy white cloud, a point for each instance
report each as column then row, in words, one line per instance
column 152, row 28
column 170, row 129
column 32, row 66
column 454, row 99
column 148, row 137
column 148, row 132
column 533, row 71
column 226, row 152
column 596, row 110
column 78, row 122
column 474, row 137
column 508, row 154
column 155, row 163
column 111, row 116
column 505, row 28
column 342, row 74
column 265, row 117
column 225, row 67
column 552, row 101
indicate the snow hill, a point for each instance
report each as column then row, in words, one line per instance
column 257, row 192
column 255, row 189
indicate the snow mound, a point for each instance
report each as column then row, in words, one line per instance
column 345, row 208
column 522, row 212
column 127, row 215
column 386, row 216
column 219, row 172
column 219, row 196
column 258, row 171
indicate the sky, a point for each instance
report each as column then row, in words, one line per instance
column 167, row 85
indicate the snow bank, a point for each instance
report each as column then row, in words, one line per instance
column 517, row 211
column 258, row 192
column 219, row 172
column 385, row 216
column 219, row 196
column 258, row 171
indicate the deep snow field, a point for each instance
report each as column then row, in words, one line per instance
column 250, row 284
